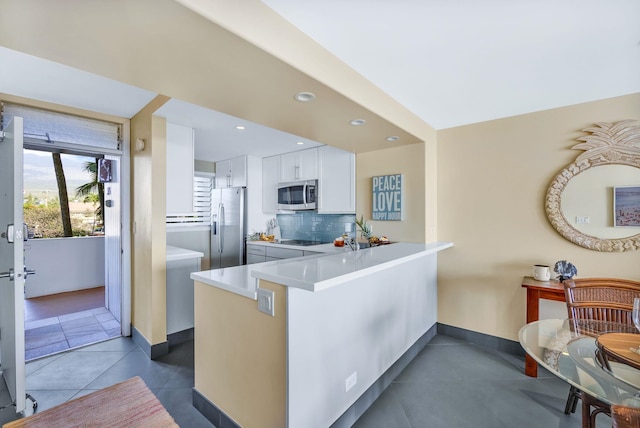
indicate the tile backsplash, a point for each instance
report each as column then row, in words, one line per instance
column 311, row 226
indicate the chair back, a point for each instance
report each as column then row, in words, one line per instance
column 601, row 299
column 625, row 417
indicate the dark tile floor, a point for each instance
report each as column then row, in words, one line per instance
column 451, row 383
column 58, row 378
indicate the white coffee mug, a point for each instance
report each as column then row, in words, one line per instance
column 541, row 272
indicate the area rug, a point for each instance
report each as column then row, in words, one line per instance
column 126, row 404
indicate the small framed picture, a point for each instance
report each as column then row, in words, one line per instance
column 104, row 171
column 626, row 206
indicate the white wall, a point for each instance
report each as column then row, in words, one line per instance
column 363, row 327
column 64, row 264
column 256, row 220
column 194, row 238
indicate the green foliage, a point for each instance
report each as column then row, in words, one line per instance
column 88, row 190
column 46, row 222
column 364, row 227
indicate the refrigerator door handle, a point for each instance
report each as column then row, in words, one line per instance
column 221, row 219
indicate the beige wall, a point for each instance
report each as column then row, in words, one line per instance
column 148, row 202
column 240, row 355
column 492, row 180
column 409, row 161
column 165, row 47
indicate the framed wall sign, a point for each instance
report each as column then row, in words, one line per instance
column 387, row 198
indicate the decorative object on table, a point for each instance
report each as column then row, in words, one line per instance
column 374, row 241
column 387, row 198
column 565, row 270
column 268, row 238
column 365, row 228
column 541, row 272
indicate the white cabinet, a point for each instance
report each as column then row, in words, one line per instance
column 255, row 253
column 336, row 182
column 270, row 179
column 179, row 169
column 231, row 172
column 283, row 253
column 300, row 165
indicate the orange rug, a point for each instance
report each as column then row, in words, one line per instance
column 126, row 404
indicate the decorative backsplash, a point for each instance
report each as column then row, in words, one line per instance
column 311, row 226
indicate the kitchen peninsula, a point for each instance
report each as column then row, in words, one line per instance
column 340, row 321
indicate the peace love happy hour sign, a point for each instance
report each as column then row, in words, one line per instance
column 387, row 197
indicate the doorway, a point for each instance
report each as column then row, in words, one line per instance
column 74, row 298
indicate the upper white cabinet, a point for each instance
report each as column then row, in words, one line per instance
column 336, row 183
column 270, row 180
column 179, row 169
column 300, row 165
column 231, row 172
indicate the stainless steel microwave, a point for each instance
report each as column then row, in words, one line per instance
column 298, row 195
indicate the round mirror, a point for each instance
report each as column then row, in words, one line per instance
column 595, row 201
column 588, row 200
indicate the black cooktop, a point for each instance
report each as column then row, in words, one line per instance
column 300, row 242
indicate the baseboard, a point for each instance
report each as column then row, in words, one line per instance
column 481, row 339
column 211, row 412
column 153, row 351
column 357, row 409
column 180, row 337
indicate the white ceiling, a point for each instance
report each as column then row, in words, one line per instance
column 459, row 62
column 217, row 137
column 451, row 63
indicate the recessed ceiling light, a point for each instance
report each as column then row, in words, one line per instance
column 300, row 143
column 392, row 138
column 358, row 122
column 240, row 128
column 305, row 97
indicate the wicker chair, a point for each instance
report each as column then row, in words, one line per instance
column 625, row 417
column 598, row 299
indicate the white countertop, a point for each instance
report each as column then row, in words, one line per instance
column 176, row 253
column 316, row 272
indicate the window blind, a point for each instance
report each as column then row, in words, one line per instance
column 51, row 127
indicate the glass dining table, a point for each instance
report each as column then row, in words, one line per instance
column 569, row 350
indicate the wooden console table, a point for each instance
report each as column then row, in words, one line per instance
column 536, row 290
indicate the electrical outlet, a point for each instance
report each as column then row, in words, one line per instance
column 351, row 381
column 583, row 220
column 266, row 301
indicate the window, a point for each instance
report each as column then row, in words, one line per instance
column 43, row 214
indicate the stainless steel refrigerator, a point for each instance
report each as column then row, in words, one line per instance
column 228, row 227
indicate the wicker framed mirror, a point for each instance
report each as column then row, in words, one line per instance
column 610, row 147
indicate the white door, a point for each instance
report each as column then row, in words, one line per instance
column 111, row 213
column 12, row 269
